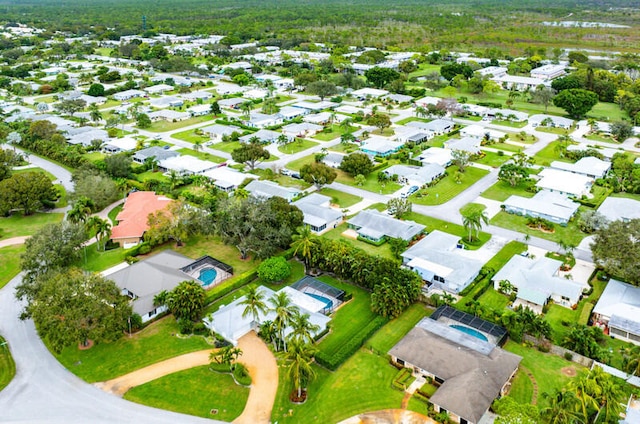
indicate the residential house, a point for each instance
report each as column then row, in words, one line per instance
column 589, row 166
column 86, row 135
column 492, row 71
column 265, row 136
column 470, row 145
column 168, row 115
column 232, row 103
column 216, row 131
column 481, row 133
column 199, row 110
column 425, row 101
column 261, row 120
column 563, row 182
column 507, row 115
column 620, row 209
column 159, row 88
column 512, row 82
column 315, row 106
column 224, row 89
column 132, row 219
column 156, row 152
column 195, row 96
column 537, row 280
column 255, row 94
column 227, row 179
column 548, row 72
column 369, row 93
column 377, row 226
column 606, row 152
column 469, row 372
column 380, row 146
column 119, row 145
column 437, row 126
column 269, row 189
column 548, row 205
column 618, row 311
column 322, row 118
column 318, row 214
column 542, row 120
column 333, row 159
column 129, row 94
column 407, row 134
column 398, row 98
column 166, row 101
column 232, row 323
column 302, row 130
column 415, row 175
column 436, row 155
column 290, row 112
column 186, row 165
column 144, row 280
column 437, row 259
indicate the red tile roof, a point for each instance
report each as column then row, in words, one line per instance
column 133, row 217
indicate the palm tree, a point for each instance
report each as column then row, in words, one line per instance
column 561, row 409
column 608, row 394
column 197, row 145
column 631, row 361
column 80, row 211
column 300, row 357
column 226, row 355
column 472, row 221
column 94, row 113
column 254, row 304
column 347, row 138
column 281, row 304
column 102, row 227
column 303, row 329
column 246, row 108
column 303, row 242
column 584, row 388
column 346, row 123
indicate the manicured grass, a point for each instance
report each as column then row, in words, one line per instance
column 502, row 257
column 370, row 184
column 553, row 130
column 363, row 383
column 10, row 260
column 549, row 154
column 40, row 170
column 94, row 156
column 494, row 300
column 114, row 212
column 523, row 138
column 501, row 191
column 226, row 146
column 447, row 227
column 99, row 261
column 492, row 159
column 190, row 136
column 378, row 206
column 17, row 225
column 510, row 124
column 283, row 180
column 344, row 200
column 521, row 388
column 344, row 148
column 412, row 119
column 447, row 188
column 570, row 234
column 336, row 131
column 196, row 391
column 392, row 332
column 213, row 246
column 336, row 234
column 295, row 165
column 154, row 343
column 507, row 147
column 162, row 126
column 7, row 366
column 152, row 175
column 297, row 146
column 349, row 319
column 202, row 155
column 472, row 207
column 546, row 368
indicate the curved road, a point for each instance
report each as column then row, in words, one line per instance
column 43, row 391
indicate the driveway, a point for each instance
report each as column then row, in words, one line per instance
column 43, row 391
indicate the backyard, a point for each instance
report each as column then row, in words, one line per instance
column 447, row 227
column 492, row 159
column 299, row 145
column 336, row 234
column 202, row 155
column 447, row 188
column 162, row 125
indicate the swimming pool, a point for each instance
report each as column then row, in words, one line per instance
column 470, row 331
column 207, row 276
column 327, row 302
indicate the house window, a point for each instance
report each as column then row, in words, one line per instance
column 565, row 298
column 400, row 361
column 463, row 421
column 438, row 380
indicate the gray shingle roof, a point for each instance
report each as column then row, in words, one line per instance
column 374, row 222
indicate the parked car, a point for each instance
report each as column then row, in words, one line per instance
column 409, row 191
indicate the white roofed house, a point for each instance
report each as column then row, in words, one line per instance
column 412, row 134
column 492, row 71
column 269, row 189
column 480, row 132
column 437, row 260
column 507, row 115
column 119, row 145
column 227, row 179
column 290, row 112
column 437, row 126
column 470, row 145
column 302, row 130
column 548, row 205
column 548, row 72
column 566, row 183
column 156, row 152
column 318, row 214
column 365, row 93
column 618, row 311
column 199, row 110
column 86, row 135
column 436, row 155
column 232, row 103
column 537, row 280
column 550, row 121
column 260, row 120
column 589, row 166
column 511, row 82
column 333, row 159
column 380, row 146
column 159, row 89
column 168, row 115
column 216, row 131
column 129, row 94
column 376, row 227
column 195, row 96
column 415, row 175
column 620, row 209
column 166, row 101
column 265, row 136
column 186, row 165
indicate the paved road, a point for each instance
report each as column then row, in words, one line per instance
column 43, row 391
column 63, row 176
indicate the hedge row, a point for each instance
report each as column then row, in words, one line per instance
column 224, row 289
column 332, row 362
column 403, row 379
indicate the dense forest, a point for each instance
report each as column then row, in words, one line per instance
column 388, row 24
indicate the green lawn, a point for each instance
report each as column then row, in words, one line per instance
column 99, row 261
column 510, row 124
column 378, row 206
column 343, row 200
column 361, row 384
column 152, row 175
column 105, row 361
column 336, row 234
column 553, row 130
column 213, row 246
column 295, row 165
column 40, row 170
column 472, row 207
column 94, row 156
column 162, row 126
column 10, row 260
column 501, row 191
column 17, row 225
column 447, row 188
column 502, row 257
column 546, row 369
column 387, row 337
column 283, row 180
column 190, row 136
column 226, row 146
column 202, row 155
column 113, row 213
column 196, row 391
column 349, row 319
column 412, row 119
column 570, row 234
column 492, row 159
column 7, row 366
column 336, row 131
column 297, row 146
column 523, row 138
column 507, row 147
column 549, row 154
column 447, row 227
column 494, row 300
column 371, row 183
column 344, row 148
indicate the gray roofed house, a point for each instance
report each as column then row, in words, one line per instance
column 156, row 152
column 550, row 121
column 537, row 280
column 377, row 226
column 467, row 144
column 227, row 179
column 261, row 120
column 399, row 98
column 217, row 131
column 232, row 103
column 143, row 280
column 471, row 372
column 86, row 135
column 416, row 175
column 436, row 259
column 168, row 115
column 333, row 159
column 265, row 136
column 318, row 214
column 269, row 189
column 618, row 311
column 618, row 208
column 549, row 205
column 302, row 130
column 437, row 126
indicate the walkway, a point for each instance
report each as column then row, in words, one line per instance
column 389, row 416
column 13, row 241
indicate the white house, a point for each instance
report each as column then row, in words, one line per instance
column 512, row 82
column 436, row 155
column 620, row 209
column 548, row 205
column 129, row 94
column 618, row 311
column 588, row 166
column 550, row 121
column 380, row 146
column 199, row 110
column 492, row 71
column 366, row 92
column 415, row 175
column 548, row 72
column 265, row 136
column 261, row 120
column 227, row 179
column 159, row 89
column 470, row 145
column 168, row 115
column 269, row 189
column 318, row 213
column 217, row 131
column 302, row 130
column 436, row 258
column 186, row 165
column 118, row 145
column 377, row 226
column 564, row 182
column 479, row 132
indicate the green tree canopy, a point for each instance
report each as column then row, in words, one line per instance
column 577, row 102
column 27, row 192
column 251, row 154
column 186, row 300
column 274, row 269
column 322, row 89
column 357, row 164
column 318, row 174
column 379, row 77
column 617, row 249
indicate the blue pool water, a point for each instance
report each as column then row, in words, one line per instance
column 326, row 301
column 470, row 331
column 207, row 276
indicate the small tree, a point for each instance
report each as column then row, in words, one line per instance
column 322, row 89
column 621, row 130
column 460, row 159
column 318, row 174
column 143, row 121
column 380, row 120
column 399, row 207
column 186, row 300
column 274, row 269
column 251, row 154
column 225, row 356
column 357, row 164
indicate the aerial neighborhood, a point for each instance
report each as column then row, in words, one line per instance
column 205, row 225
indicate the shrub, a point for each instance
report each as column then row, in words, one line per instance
column 185, row 326
column 224, row 289
column 568, row 356
column 200, row 329
column 241, row 375
column 274, row 269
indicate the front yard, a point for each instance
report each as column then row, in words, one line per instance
column 501, row 191
column 570, row 234
column 299, row 145
column 342, row 199
column 10, row 260
column 447, row 188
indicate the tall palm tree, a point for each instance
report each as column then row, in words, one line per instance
column 561, row 409
column 197, row 145
column 300, row 357
column 608, row 394
column 281, row 305
column 254, row 304
column 303, row 242
column 631, row 363
column 94, row 113
column 585, row 388
column 246, row 108
column 80, row 210
column 472, row 221
column 303, row 329
column 103, row 231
